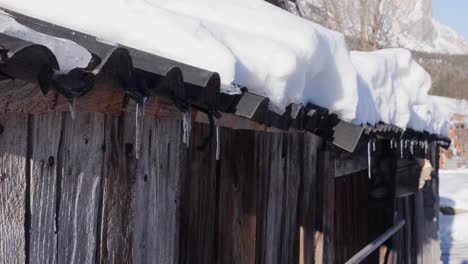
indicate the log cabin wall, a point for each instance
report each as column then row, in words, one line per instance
column 72, row 191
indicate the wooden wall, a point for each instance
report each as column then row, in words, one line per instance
column 72, row 191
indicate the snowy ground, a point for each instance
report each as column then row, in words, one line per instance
column 454, row 228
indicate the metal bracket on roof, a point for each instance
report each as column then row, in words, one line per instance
column 212, row 115
column 346, row 135
column 252, row 106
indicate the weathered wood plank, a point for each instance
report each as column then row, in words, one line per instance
column 268, row 162
column 20, row 96
column 307, row 207
column 45, row 140
column 23, row 97
column 278, row 224
column 80, row 170
column 292, row 179
column 325, row 247
column 118, row 193
column 160, row 172
column 238, row 198
column 200, row 191
column 13, row 148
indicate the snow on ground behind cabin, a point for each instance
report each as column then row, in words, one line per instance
column 454, row 228
column 266, row 49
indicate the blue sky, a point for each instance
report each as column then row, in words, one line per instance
column 453, row 13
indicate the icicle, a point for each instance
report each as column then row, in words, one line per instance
column 217, row 139
column 369, row 161
column 139, row 121
column 373, row 144
column 426, row 147
column 72, row 106
column 401, row 148
column 391, row 144
column 412, row 147
column 187, row 126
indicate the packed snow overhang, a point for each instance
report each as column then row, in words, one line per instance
column 142, row 74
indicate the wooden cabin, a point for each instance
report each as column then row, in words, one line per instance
column 253, row 184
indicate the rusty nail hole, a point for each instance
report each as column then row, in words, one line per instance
column 51, row 161
column 2, row 176
column 145, row 178
column 1, row 129
column 104, row 147
column 86, row 141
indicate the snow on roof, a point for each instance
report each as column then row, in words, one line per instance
column 69, row 54
column 256, row 45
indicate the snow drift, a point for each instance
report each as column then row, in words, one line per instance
column 254, row 44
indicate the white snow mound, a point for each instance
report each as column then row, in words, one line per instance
column 249, row 43
column 253, row 44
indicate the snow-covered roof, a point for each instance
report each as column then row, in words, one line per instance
column 250, row 44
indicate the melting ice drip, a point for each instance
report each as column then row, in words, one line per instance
column 187, row 126
column 72, row 107
column 401, row 148
column 139, row 122
column 369, row 160
column 217, row 138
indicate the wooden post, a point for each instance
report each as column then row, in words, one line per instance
column 326, row 178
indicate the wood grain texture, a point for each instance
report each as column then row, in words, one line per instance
column 308, row 192
column 13, row 148
column 199, row 200
column 160, row 169
column 118, row 192
column 80, row 172
column 268, row 162
column 45, row 142
column 23, row 97
column 278, row 226
column 329, row 208
column 293, row 152
column 238, row 198
column 325, row 208
column 351, row 221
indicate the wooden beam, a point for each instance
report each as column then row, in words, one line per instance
column 23, row 97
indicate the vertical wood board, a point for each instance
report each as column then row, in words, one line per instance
column 13, row 149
